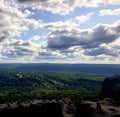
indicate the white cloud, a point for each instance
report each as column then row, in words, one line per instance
column 99, row 44
column 64, row 6
column 60, row 25
column 18, row 49
column 55, row 6
column 67, row 24
column 102, row 51
column 110, row 12
column 26, row 51
column 10, row 23
column 83, row 18
column 111, row 1
column 32, row 22
column 65, row 41
column 28, row 13
column 85, row 38
column 35, row 38
column 13, row 21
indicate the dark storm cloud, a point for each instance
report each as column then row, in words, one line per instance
column 86, row 39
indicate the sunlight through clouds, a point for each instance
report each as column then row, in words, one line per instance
column 55, row 30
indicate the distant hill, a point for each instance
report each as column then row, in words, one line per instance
column 87, row 68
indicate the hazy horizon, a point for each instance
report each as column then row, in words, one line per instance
column 61, row 63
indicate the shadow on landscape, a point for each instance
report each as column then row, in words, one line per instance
column 44, row 110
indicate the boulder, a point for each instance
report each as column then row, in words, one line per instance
column 111, row 87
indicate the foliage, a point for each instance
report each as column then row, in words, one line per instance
column 18, row 85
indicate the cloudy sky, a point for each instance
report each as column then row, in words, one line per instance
column 60, row 31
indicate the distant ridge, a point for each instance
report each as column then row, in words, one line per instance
column 87, row 68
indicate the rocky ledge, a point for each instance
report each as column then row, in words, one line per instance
column 61, row 108
column 39, row 108
column 100, row 108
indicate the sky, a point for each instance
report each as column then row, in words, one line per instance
column 60, row 31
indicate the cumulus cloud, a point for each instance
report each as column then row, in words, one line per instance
column 83, row 18
column 49, row 55
column 102, row 51
column 99, row 43
column 10, row 24
column 14, row 21
column 18, row 48
column 3, row 35
column 26, row 51
column 67, row 24
column 59, row 25
column 10, row 14
column 32, row 0
column 111, row 1
column 109, row 12
column 59, row 6
column 65, row 41
column 35, row 38
column 55, row 6
column 84, row 38
column 64, row 6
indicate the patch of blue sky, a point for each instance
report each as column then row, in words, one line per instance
column 96, row 19
column 45, row 16
column 31, row 33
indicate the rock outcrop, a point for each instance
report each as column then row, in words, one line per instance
column 61, row 108
column 49, row 109
column 38, row 108
column 111, row 88
column 101, row 108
